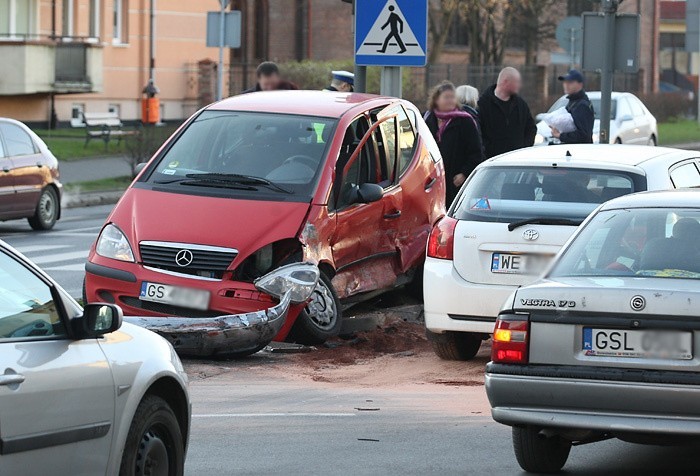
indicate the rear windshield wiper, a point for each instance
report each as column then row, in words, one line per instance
column 544, row 221
column 237, row 179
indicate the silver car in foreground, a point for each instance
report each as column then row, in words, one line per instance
column 607, row 344
column 82, row 393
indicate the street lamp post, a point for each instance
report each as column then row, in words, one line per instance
column 220, row 69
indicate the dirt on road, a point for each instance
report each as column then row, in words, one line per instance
column 395, row 353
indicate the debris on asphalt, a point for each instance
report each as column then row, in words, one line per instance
column 288, row 348
column 367, row 439
column 361, row 409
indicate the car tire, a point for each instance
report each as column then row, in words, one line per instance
column 652, row 141
column 618, row 141
column 47, row 210
column 321, row 319
column 538, row 453
column 154, row 439
column 457, row 345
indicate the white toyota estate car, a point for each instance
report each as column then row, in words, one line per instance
column 513, row 215
column 630, row 121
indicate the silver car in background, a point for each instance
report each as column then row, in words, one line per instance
column 607, row 344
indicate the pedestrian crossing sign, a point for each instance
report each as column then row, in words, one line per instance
column 391, row 32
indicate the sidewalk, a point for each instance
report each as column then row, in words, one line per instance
column 85, row 170
column 686, row 146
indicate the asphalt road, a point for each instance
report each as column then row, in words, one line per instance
column 62, row 251
column 261, row 416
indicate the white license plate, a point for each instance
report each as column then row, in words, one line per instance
column 508, row 263
column 641, row 344
column 175, row 295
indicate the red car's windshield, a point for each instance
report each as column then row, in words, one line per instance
column 246, row 153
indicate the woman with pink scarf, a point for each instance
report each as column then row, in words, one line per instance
column 457, row 136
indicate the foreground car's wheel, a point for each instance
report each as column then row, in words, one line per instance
column 322, row 317
column 456, row 345
column 537, row 453
column 46, row 212
column 154, row 445
column 652, row 140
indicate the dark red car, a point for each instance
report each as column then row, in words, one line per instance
column 29, row 185
column 350, row 182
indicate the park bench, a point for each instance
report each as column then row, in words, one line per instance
column 104, row 125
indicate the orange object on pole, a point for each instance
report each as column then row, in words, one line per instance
column 150, row 110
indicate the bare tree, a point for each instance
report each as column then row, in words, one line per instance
column 440, row 19
column 534, row 22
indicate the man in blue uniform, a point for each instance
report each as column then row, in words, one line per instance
column 343, row 81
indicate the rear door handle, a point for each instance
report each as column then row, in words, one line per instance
column 392, row 215
column 11, row 379
column 429, row 184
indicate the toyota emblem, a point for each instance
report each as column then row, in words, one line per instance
column 637, row 303
column 530, row 234
column 184, row 258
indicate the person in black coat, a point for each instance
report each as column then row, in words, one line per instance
column 269, row 79
column 580, row 108
column 506, row 121
column 457, row 136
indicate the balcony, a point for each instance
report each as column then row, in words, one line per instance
column 35, row 66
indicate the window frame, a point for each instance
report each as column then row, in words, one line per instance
column 681, row 164
column 402, row 172
column 35, row 148
column 56, row 296
column 12, row 34
column 120, row 12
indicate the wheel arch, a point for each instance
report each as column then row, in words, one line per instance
column 170, row 390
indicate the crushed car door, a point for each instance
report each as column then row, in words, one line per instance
column 56, row 394
column 363, row 244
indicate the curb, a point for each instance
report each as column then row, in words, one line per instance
column 91, row 199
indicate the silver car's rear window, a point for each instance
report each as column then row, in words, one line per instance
column 655, row 242
column 508, row 194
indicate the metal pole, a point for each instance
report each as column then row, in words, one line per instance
column 152, row 43
column 360, row 71
column 220, row 69
column 697, row 66
column 572, row 48
column 390, row 83
column 606, row 77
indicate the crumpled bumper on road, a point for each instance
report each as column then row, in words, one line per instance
column 227, row 334
column 238, row 334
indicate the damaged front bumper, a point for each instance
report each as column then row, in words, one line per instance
column 238, row 334
column 232, row 334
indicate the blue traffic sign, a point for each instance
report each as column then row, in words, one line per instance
column 391, row 32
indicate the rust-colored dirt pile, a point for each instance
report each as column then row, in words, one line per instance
column 393, row 337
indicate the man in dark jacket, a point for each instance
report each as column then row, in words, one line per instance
column 269, row 79
column 580, row 108
column 506, row 121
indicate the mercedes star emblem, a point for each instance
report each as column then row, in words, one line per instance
column 530, row 234
column 184, row 258
column 637, row 303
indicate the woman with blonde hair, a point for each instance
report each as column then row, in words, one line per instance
column 457, row 135
column 468, row 97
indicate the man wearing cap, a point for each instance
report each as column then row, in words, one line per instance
column 580, row 108
column 343, row 81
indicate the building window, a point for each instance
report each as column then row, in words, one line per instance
column 67, row 18
column 459, row 32
column 575, row 8
column 76, row 115
column 95, row 18
column 672, row 41
column 119, row 23
column 17, row 18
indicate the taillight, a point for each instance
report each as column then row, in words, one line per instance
column 510, row 339
column 442, row 239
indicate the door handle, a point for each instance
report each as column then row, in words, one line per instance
column 429, row 184
column 392, row 215
column 11, row 379
column 39, row 164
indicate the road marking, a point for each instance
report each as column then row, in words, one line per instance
column 256, row 415
column 74, row 230
column 70, row 256
column 34, row 248
column 68, row 267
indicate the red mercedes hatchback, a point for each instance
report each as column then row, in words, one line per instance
column 351, row 182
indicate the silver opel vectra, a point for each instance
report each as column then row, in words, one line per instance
column 607, row 344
